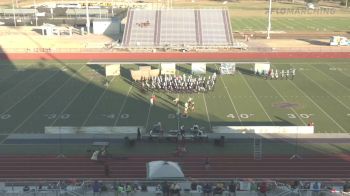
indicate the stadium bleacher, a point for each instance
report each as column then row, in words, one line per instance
column 177, row 27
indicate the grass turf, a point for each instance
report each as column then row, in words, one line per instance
column 39, row 94
column 252, row 16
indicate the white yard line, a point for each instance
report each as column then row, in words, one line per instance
column 317, row 106
column 71, row 101
column 259, row 102
column 30, row 92
column 123, row 105
column 44, row 102
column 232, row 103
column 331, row 78
column 206, row 109
column 296, row 114
column 149, row 114
column 97, row 102
column 334, row 97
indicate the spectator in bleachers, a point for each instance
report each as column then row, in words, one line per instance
column 128, row 189
column 346, row 187
column 232, row 188
column 165, row 188
column 263, row 188
column 96, row 188
column 158, row 190
column 193, row 186
column 207, row 189
column 199, row 188
column 26, row 188
column 219, row 189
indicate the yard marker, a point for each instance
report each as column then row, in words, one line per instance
column 30, row 92
column 286, row 100
column 123, row 105
column 44, row 102
column 328, row 92
column 97, row 102
column 259, row 102
column 317, row 106
column 229, row 96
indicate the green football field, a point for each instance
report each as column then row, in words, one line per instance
column 49, row 93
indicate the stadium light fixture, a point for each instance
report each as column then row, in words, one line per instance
column 269, row 21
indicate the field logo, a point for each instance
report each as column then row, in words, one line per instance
column 301, row 11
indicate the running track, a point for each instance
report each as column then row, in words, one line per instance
column 329, row 167
column 270, row 167
column 173, row 56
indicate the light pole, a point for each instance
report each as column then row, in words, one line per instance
column 269, row 22
column 36, row 16
column 87, row 17
column 296, row 153
column 14, row 14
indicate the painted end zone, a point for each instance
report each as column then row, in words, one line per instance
column 172, row 56
column 265, row 129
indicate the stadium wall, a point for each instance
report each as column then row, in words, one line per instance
column 173, row 56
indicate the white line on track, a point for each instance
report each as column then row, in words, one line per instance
column 97, row 102
column 259, row 102
column 123, row 105
column 44, row 102
column 71, row 101
column 327, row 91
column 206, row 109
column 30, row 92
column 232, row 103
column 317, row 106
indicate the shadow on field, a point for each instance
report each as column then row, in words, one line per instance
column 184, row 68
column 69, row 97
column 98, row 68
column 315, row 42
column 245, row 71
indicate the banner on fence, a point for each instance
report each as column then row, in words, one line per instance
column 168, row 68
column 199, row 68
column 112, row 70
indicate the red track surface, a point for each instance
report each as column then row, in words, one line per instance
column 193, row 166
column 173, row 56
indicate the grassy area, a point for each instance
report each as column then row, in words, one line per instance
column 291, row 24
column 39, row 94
column 252, row 16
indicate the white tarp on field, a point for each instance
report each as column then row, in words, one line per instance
column 261, row 67
column 113, row 70
column 199, row 68
column 168, row 68
column 164, row 170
